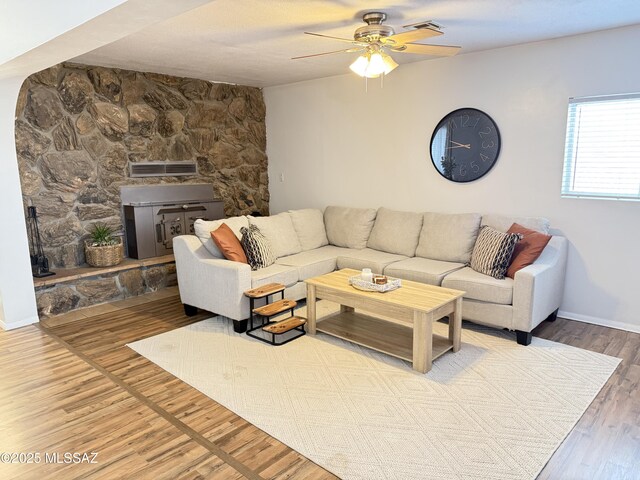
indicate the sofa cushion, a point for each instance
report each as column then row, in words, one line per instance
column 480, row 287
column 257, row 248
column 228, row 244
column 203, row 230
column 309, row 225
column 424, row 270
column 349, row 227
column 396, row 232
column 274, row 274
column 313, row 262
column 448, row 237
column 376, row 260
column 502, row 223
column 526, row 250
column 278, row 230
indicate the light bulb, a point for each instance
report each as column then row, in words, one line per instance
column 389, row 64
column 360, row 65
column 376, row 66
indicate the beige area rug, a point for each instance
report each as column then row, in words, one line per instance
column 494, row 410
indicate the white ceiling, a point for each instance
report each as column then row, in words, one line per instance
column 251, row 42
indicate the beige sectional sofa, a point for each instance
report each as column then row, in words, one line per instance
column 433, row 248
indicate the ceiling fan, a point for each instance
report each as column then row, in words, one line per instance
column 374, row 40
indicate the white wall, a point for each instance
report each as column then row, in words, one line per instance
column 338, row 145
column 17, row 298
column 29, row 23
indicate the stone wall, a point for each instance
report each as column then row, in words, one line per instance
column 66, row 297
column 78, row 127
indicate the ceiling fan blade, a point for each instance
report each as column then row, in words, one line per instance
column 348, row 50
column 439, row 50
column 334, row 38
column 411, row 36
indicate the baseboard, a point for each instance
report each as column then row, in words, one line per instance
column 22, row 323
column 629, row 327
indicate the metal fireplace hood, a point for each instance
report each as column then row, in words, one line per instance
column 155, row 214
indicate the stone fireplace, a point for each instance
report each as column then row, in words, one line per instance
column 79, row 130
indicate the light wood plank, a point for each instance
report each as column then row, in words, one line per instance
column 264, row 290
column 422, row 341
column 377, row 334
column 455, row 325
column 284, row 325
column 413, row 295
column 311, row 309
column 276, row 307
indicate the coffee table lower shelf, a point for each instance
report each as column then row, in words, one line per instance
column 380, row 335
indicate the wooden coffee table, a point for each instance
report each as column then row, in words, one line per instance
column 403, row 321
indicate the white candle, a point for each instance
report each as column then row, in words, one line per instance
column 366, row 275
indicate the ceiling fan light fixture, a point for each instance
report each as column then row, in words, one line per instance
column 372, row 65
column 359, row 67
column 376, row 65
column 389, row 64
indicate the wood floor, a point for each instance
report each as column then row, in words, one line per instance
column 70, row 385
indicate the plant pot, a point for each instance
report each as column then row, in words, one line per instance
column 105, row 256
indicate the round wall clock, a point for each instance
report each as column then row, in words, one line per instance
column 465, row 145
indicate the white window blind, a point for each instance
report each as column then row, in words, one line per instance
column 602, row 149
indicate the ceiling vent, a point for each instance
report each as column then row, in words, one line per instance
column 162, row 169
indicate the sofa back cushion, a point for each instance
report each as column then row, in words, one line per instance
column 203, row 230
column 349, row 227
column 309, row 225
column 279, row 232
column 448, row 237
column 502, row 223
column 396, row 232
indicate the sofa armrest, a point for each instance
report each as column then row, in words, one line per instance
column 538, row 288
column 213, row 284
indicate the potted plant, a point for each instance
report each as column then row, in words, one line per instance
column 103, row 249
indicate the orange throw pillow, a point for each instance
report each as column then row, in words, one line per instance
column 228, row 243
column 528, row 249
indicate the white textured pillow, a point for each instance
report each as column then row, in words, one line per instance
column 349, row 227
column 448, row 237
column 203, row 229
column 396, row 232
column 309, row 225
column 502, row 223
column 279, row 232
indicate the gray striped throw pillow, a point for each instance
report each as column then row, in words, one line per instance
column 492, row 252
column 256, row 247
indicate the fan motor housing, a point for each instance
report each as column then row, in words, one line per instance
column 373, row 29
column 368, row 31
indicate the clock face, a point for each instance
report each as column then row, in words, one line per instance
column 465, row 145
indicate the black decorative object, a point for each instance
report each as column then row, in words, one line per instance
column 39, row 263
column 465, row 145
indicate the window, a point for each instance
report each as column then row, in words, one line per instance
column 602, row 150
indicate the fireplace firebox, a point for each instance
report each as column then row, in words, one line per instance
column 155, row 214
